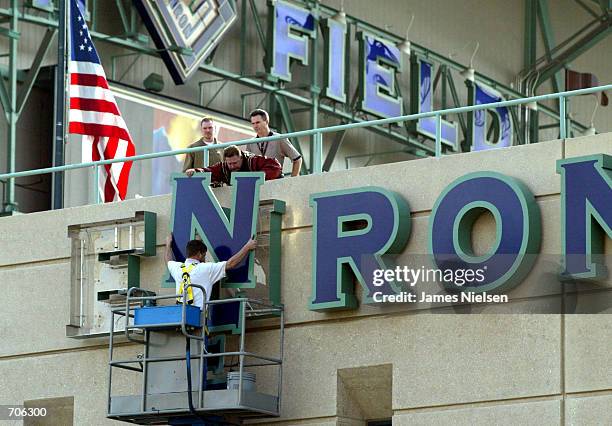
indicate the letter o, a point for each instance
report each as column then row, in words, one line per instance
column 518, row 230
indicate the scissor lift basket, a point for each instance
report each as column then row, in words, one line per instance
column 163, row 331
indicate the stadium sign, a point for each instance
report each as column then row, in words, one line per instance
column 178, row 26
column 186, row 32
column 341, row 252
column 380, row 63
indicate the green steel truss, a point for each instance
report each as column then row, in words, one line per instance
column 306, row 98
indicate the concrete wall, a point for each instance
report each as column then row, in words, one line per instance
column 420, row 366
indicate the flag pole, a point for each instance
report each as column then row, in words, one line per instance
column 57, row 181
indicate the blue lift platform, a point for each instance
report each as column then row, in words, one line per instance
column 176, row 341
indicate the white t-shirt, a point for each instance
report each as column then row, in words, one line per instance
column 204, row 274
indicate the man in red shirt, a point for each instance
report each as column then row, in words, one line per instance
column 235, row 160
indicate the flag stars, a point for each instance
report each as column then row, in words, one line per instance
column 89, row 49
column 82, row 47
column 80, row 32
column 84, row 26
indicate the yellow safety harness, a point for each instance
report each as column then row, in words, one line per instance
column 185, row 282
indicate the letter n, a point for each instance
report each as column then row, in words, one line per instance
column 195, row 208
column 586, row 210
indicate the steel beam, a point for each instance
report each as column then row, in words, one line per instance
column 243, row 31
column 587, row 8
column 214, row 96
column 315, row 91
column 10, row 205
column 549, row 39
column 455, row 96
column 35, row 68
column 60, row 99
column 529, row 41
column 605, row 6
column 443, row 93
column 123, row 16
column 93, row 16
column 4, row 99
column 257, row 22
column 333, row 149
column 283, row 106
column 601, row 31
column 515, row 120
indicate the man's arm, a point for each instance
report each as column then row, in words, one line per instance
column 297, row 166
column 289, row 150
column 188, row 163
column 242, row 253
column 169, row 255
column 215, row 169
column 270, row 166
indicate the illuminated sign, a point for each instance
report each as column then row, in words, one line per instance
column 287, row 20
column 186, row 31
column 422, row 101
column 180, row 26
column 292, row 29
column 379, row 61
column 479, row 94
column 335, row 59
column 342, row 251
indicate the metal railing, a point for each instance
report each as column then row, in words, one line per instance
column 317, row 133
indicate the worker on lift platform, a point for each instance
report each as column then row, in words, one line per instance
column 195, row 270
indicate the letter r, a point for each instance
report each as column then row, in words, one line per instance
column 338, row 250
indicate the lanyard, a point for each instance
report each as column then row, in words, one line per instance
column 263, row 146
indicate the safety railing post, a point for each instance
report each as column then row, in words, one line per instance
column 562, row 118
column 95, row 187
column 438, row 135
column 317, row 161
column 206, row 157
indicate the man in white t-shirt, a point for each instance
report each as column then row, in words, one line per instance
column 196, row 271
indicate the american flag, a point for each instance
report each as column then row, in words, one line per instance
column 93, row 111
